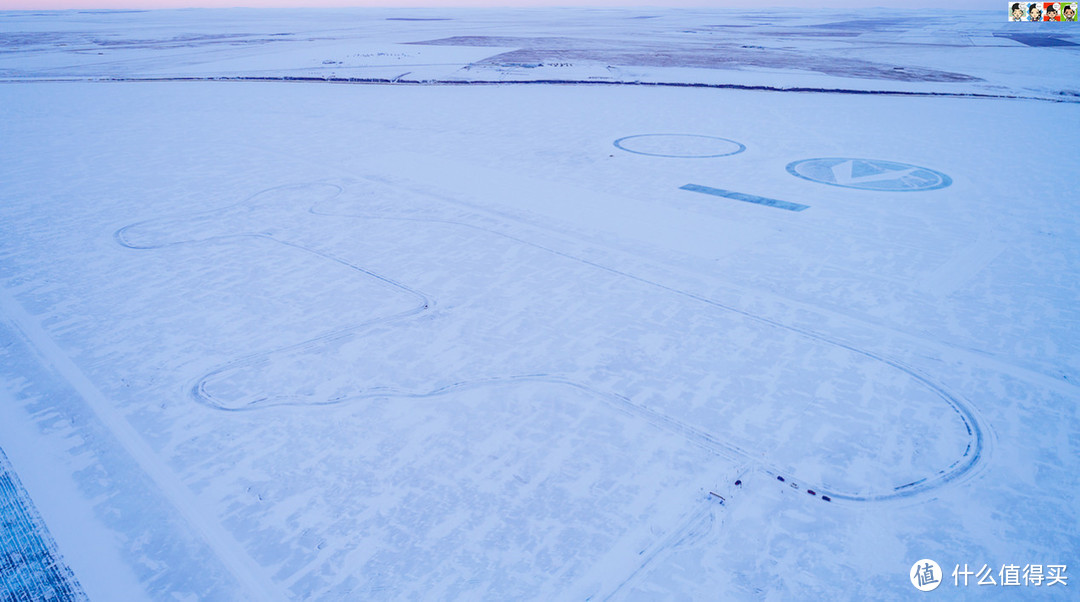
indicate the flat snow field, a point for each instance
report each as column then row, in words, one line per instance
column 463, row 304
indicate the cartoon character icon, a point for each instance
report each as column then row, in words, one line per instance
column 1068, row 11
column 1016, row 12
column 1035, row 11
column 1051, row 11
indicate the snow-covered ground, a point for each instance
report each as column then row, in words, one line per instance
column 274, row 331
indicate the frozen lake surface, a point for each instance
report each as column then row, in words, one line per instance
column 547, row 304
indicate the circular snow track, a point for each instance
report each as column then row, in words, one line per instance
column 680, row 146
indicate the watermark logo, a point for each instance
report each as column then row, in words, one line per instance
column 926, row 575
column 1013, row 575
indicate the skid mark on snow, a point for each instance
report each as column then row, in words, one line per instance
column 229, row 387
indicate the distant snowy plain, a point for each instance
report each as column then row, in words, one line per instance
column 479, row 304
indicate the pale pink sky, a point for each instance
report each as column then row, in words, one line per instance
column 65, row 4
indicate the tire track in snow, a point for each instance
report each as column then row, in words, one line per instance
column 697, row 523
column 977, row 432
column 975, row 450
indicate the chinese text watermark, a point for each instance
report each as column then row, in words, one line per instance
column 926, row 575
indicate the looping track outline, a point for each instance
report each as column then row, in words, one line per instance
column 974, row 454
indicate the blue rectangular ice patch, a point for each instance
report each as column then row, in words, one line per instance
column 747, row 198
